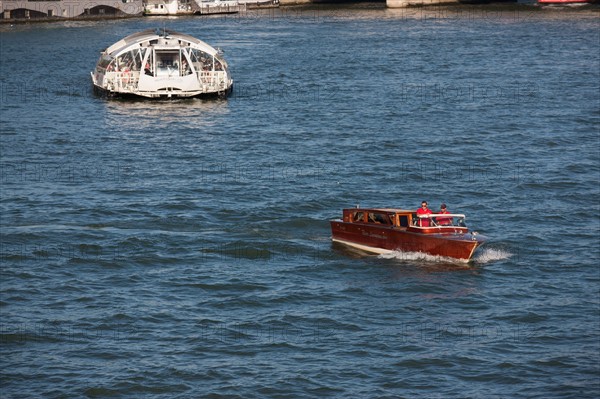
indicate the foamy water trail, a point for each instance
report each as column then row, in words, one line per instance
column 487, row 255
column 420, row 256
column 483, row 256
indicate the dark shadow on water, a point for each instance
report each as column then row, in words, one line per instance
column 135, row 115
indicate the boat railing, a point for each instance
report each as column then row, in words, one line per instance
column 122, row 81
column 443, row 219
column 213, row 80
column 441, row 215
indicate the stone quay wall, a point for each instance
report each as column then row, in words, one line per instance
column 65, row 9
column 27, row 9
column 412, row 3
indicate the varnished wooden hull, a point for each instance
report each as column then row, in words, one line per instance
column 458, row 244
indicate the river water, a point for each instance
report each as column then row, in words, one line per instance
column 182, row 249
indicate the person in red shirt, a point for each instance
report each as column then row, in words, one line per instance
column 423, row 210
column 444, row 221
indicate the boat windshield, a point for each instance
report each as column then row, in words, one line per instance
column 167, row 62
column 204, row 62
column 440, row 219
column 103, row 63
column 128, row 61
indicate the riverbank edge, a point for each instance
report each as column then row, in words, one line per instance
column 449, row 4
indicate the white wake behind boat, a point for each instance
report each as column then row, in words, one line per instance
column 161, row 64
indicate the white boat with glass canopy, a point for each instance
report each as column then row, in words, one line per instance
column 162, row 64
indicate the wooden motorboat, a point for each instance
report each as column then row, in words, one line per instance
column 383, row 230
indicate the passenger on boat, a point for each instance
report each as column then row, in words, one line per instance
column 423, row 210
column 185, row 70
column 444, row 221
column 358, row 217
column 206, row 66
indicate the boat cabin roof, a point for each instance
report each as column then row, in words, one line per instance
column 386, row 210
column 148, row 35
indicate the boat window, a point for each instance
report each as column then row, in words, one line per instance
column 404, row 221
column 201, row 60
column 186, row 69
column 379, row 218
column 103, row 63
column 357, row 217
column 149, row 65
column 167, row 63
column 129, row 61
column 218, row 65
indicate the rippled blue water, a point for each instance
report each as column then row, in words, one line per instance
column 182, row 249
